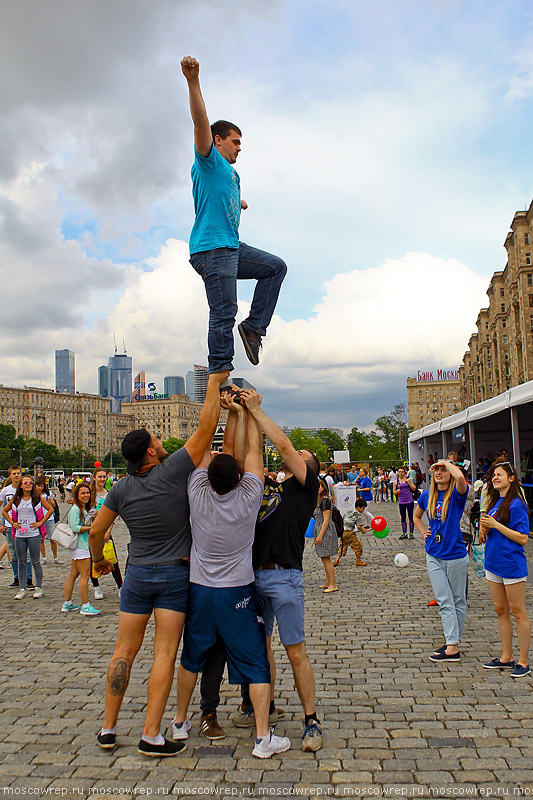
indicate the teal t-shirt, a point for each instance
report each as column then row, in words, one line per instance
column 216, row 191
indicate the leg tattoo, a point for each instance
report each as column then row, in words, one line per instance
column 118, row 676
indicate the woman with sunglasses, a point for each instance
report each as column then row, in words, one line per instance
column 505, row 531
column 446, row 556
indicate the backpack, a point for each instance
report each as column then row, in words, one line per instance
column 336, row 518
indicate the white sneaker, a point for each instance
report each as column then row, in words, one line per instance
column 43, row 560
column 276, row 744
column 181, row 731
column 58, row 561
column 98, row 593
column 38, row 592
column 20, row 594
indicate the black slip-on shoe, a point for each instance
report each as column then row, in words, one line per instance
column 106, row 740
column 443, row 657
column 169, row 748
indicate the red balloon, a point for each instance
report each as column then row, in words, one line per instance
column 97, row 465
column 378, row 524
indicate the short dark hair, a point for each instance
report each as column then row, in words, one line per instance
column 223, row 129
column 360, row 503
column 312, row 461
column 223, row 473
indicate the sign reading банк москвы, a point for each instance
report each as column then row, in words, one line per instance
column 424, row 376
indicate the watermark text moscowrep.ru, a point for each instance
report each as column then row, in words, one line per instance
column 413, row 791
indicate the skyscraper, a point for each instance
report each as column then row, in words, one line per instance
column 174, row 384
column 201, row 376
column 103, row 381
column 120, row 379
column 189, row 384
column 65, row 371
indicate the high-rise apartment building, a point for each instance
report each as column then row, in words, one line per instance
column 65, row 371
column 201, row 376
column 120, row 379
column 189, row 384
column 432, row 395
column 500, row 352
column 103, row 381
column 174, row 384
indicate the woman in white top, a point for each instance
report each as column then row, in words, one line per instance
column 27, row 513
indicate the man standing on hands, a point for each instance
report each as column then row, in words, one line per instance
column 217, row 255
column 152, row 501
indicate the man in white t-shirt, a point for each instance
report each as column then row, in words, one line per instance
column 224, row 500
column 8, row 492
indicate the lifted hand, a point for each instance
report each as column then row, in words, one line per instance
column 190, row 68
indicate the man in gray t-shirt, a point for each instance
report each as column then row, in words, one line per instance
column 222, row 601
column 152, row 501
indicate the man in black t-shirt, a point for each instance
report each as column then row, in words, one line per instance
column 278, row 549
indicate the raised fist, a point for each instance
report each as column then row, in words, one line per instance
column 190, row 68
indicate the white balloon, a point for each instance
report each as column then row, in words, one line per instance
column 401, row 560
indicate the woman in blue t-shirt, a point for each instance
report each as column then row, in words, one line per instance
column 505, row 529
column 446, row 556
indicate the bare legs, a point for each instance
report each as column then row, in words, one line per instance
column 511, row 599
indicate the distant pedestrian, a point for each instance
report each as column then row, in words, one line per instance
column 326, row 539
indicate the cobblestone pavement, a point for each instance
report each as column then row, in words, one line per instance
column 395, row 723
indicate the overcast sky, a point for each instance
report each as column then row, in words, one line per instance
column 386, row 147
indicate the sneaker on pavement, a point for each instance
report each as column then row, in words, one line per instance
column 312, row 737
column 89, row 611
column 404, row 536
column 181, row 731
column 106, row 740
column 20, row 594
column 252, row 343
column 245, row 718
column 43, row 560
column 443, row 656
column 160, row 750
column 14, row 584
column 29, row 585
column 266, row 749
column 69, row 606
column 496, row 663
column 98, row 593
column 58, row 561
column 520, row 672
column 210, row 727
column 38, row 593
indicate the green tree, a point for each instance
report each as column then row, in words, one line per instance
column 304, row 441
column 173, row 444
column 8, row 436
column 48, row 452
column 332, row 441
column 394, row 429
column 358, row 445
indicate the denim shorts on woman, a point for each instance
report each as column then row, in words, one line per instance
column 155, row 586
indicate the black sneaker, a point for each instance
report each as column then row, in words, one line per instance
column 14, row 584
column 444, row 657
column 29, row 585
column 252, row 343
column 497, row 664
column 106, row 740
column 441, row 649
column 160, row 750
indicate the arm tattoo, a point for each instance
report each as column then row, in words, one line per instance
column 118, row 676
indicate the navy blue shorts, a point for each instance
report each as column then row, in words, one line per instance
column 233, row 614
column 155, row 586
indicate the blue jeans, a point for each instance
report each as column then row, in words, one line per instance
column 220, row 269
column 33, row 547
column 448, row 579
column 13, row 556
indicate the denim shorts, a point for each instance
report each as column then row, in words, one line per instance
column 150, row 586
column 283, row 593
column 234, row 615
